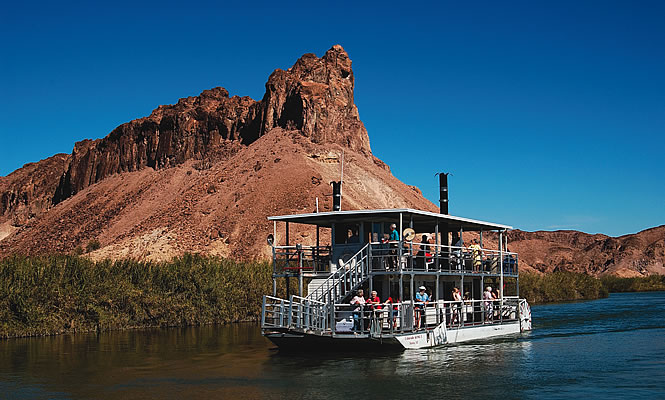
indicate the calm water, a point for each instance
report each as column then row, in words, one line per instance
column 611, row 348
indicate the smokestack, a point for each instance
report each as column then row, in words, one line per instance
column 443, row 192
column 337, row 195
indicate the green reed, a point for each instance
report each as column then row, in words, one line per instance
column 560, row 286
column 638, row 284
column 64, row 293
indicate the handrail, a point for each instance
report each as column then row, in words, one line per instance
column 441, row 258
column 349, row 273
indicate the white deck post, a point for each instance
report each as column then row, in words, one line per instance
column 501, row 266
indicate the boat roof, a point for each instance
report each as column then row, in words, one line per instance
column 423, row 221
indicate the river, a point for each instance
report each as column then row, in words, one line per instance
column 609, row 348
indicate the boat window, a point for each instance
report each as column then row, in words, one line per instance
column 347, row 234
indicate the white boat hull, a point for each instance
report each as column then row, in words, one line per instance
column 441, row 336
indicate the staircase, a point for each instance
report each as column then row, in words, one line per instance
column 348, row 277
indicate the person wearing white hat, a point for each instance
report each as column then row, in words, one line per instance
column 422, row 298
column 487, row 297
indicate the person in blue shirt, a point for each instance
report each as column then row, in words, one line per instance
column 394, row 237
column 422, row 298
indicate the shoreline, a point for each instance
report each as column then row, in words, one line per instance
column 65, row 294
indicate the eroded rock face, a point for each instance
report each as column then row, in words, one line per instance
column 314, row 97
column 27, row 192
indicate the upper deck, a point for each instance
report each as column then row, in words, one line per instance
column 427, row 250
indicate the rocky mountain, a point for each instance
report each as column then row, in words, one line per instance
column 638, row 254
column 202, row 175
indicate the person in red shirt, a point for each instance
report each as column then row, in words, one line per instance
column 374, row 306
column 394, row 300
column 374, row 300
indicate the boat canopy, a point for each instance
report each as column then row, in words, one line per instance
column 421, row 221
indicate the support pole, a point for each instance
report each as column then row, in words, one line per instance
column 401, row 240
column 437, row 250
column 501, row 266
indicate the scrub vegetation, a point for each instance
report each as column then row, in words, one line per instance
column 641, row 284
column 67, row 293
column 560, row 286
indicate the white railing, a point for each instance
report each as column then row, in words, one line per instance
column 297, row 313
column 311, row 316
column 275, row 312
column 347, row 278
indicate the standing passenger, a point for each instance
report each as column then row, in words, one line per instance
column 422, row 298
column 489, row 309
column 456, row 306
column 359, row 302
column 476, row 255
column 394, row 238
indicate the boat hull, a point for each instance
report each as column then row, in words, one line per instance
column 300, row 342
column 440, row 336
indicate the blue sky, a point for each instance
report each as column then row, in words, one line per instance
column 549, row 116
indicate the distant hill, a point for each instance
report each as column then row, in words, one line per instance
column 203, row 174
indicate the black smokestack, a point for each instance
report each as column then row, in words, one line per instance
column 443, row 193
column 337, row 195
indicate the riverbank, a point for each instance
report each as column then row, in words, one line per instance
column 58, row 294
column 561, row 286
column 651, row 283
column 68, row 293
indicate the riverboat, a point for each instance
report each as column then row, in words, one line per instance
column 364, row 251
column 359, row 255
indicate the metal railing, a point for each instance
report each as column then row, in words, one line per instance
column 438, row 258
column 294, row 259
column 342, row 282
column 275, row 312
column 297, row 313
column 311, row 316
column 405, row 317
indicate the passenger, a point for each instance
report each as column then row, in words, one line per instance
column 424, row 256
column 456, row 306
column 394, row 310
column 353, row 237
column 374, row 305
column 476, row 255
column 373, row 300
column 468, row 307
column 489, row 309
column 359, row 302
column 422, row 299
column 457, row 252
column 497, row 305
column 393, row 238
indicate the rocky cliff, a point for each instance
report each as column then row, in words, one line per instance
column 313, row 97
column 637, row 254
column 203, row 174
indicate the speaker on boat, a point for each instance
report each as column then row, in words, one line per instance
column 270, row 239
column 409, row 234
column 337, row 195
